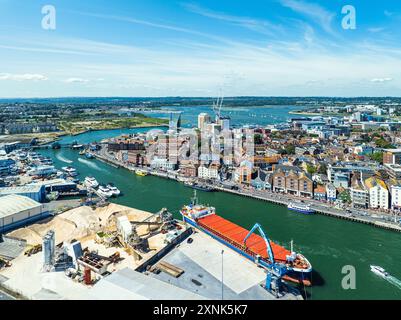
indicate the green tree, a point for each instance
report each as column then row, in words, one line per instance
column 345, row 196
column 310, row 169
column 323, row 168
column 383, row 143
column 377, row 156
column 290, row 149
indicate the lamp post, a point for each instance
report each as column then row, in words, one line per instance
column 222, row 282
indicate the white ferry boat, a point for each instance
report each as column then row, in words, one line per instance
column 114, row 190
column 301, row 207
column 379, row 271
column 91, row 182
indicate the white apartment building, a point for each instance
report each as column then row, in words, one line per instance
column 210, row 172
column 331, row 192
column 378, row 193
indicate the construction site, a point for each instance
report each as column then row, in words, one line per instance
column 117, row 252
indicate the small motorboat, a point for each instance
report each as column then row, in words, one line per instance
column 379, row 271
column 140, row 172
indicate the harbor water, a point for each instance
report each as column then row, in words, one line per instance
column 328, row 243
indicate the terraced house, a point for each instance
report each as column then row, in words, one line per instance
column 292, row 180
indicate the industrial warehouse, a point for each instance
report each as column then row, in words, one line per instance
column 17, row 210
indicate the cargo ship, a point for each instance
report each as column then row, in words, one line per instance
column 205, row 219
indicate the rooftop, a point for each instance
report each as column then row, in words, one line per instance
column 21, row 189
column 12, row 204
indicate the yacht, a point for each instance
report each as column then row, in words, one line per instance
column 379, row 271
column 114, row 190
column 91, row 182
column 105, row 192
column 72, row 172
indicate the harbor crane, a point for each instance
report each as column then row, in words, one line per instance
column 217, row 106
column 274, row 270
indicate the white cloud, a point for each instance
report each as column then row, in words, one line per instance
column 261, row 26
column 315, row 12
column 381, row 79
column 76, row 80
column 22, row 77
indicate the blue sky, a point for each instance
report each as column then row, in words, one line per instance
column 197, row 48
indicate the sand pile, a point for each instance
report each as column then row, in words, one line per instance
column 77, row 223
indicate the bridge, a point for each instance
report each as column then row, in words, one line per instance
column 75, row 146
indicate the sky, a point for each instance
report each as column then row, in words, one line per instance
column 200, row 48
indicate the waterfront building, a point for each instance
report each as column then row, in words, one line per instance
column 20, row 128
column 359, row 193
column 261, row 180
column 378, row 193
column 203, row 119
column 208, row 172
column 188, row 168
column 17, row 210
column 243, row 173
column 115, row 145
column 396, row 197
column 292, row 180
column 163, row 164
column 319, row 193
column 34, row 191
column 331, row 192
column 59, row 185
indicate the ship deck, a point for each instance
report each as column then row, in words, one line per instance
column 235, row 235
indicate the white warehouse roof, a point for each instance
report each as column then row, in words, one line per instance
column 12, row 204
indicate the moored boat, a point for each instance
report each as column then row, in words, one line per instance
column 200, row 187
column 140, row 172
column 91, row 182
column 113, row 189
column 301, row 207
column 105, row 192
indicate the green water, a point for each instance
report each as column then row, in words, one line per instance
column 327, row 242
